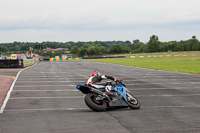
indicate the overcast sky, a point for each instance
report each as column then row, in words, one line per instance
column 102, row 20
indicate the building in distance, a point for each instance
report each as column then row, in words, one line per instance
column 58, row 49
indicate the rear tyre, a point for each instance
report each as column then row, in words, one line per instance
column 133, row 103
column 96, row 105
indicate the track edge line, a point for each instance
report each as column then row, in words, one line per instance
column 11, row 88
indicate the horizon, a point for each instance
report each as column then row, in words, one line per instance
column 95, row 41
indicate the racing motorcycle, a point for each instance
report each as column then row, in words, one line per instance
column 102, row 100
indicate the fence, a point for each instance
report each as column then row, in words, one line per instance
column 7, row 63
column 153, row 56
column 28, row 62
column 18, row 63
column 64, row 59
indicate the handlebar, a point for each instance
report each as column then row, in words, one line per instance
column 113, row 83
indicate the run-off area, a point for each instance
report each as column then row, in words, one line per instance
column 167, row 99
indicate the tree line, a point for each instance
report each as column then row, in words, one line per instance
column 100, row 48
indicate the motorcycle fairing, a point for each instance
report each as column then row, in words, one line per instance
column 117, row 102
column 83, row 88
column 121, row 89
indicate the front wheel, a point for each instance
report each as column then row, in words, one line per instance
column 133, row 103
column 94, row 104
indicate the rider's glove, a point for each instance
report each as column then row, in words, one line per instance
column 117, row 81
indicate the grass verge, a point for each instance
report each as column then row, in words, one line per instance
column 189, row 65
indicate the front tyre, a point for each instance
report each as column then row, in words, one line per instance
column 133, row 103
column 94, row 104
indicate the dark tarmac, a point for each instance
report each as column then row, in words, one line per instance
column 45, row 100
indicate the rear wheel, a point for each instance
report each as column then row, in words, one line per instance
column 94, row 104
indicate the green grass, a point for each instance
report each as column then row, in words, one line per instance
column 162, row 53
column 189, row 65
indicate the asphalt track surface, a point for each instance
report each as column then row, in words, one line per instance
column 44, row 100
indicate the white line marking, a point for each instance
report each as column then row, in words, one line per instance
column 42, row 86
column 51, row 75
column 48, row 76
column 195, row 83
column 18, row 98
column 72, row 109
column 47, row 81
column 180, row 95
column 47, row 109
column 11, row 88
column 29, row 78
column 188, row 106
column 52, row 72
column 179, row 88
column 45, row 90
column 150, row 83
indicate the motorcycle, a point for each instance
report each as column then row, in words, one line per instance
column 102, row 100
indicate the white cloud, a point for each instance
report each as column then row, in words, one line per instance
column 99, row 16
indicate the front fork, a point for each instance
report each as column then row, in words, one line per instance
column 129, row 97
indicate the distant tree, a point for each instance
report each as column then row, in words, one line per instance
column 16, row 48
column 163, row 47
column 143, row 49
column 86, row 45
column 138, row 45
column 75, row 50
column 153, row 44
column 25, row 47
column 96, row 48
column 104, row 50
column 91, row 51
column 117, row 49
column 194, row 44
column 127, row 49
column 82, row 52
column 178, row 47
column 136, row 41
column 79, row 44
column 3, row 49
column 127, row 42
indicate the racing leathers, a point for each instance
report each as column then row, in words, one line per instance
column 96, row 81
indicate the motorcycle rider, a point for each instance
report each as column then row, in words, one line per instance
column 96, row 78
